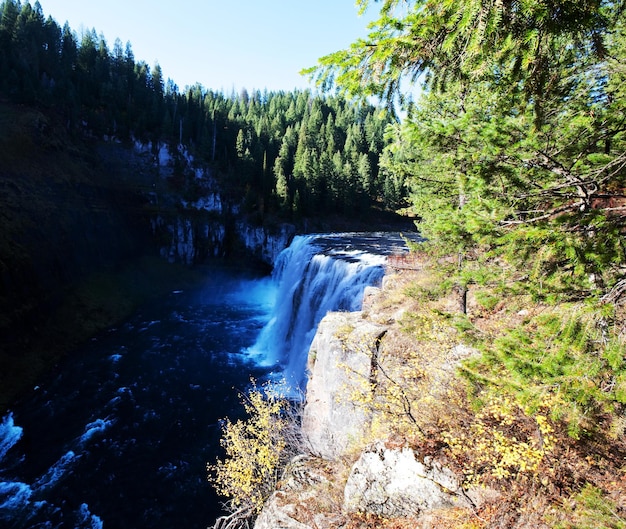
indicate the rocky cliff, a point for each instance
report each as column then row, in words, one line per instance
column 190, row 217
column 86, row 227
column 355, row 467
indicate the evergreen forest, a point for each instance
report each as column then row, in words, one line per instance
column 292, row 153
column 516, row 150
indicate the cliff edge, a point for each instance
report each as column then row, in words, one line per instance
column 355, row 467
column 399, row 435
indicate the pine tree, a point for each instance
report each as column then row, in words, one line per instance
column 469, row 40
column 270, row 146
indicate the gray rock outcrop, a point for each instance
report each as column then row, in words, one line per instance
column 393, row 482
column 343, row 367
column 340, row 365
column 263, row 243
column 290, row 506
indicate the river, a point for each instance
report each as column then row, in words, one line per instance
column 119, row 436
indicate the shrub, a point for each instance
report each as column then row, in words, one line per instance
column 569, row 356
column 501, row 441
column 590, row 508
column 256, row 450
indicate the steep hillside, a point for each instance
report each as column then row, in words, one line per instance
column 75, row 241
column 86, row 223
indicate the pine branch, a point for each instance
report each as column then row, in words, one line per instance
column 545, row 216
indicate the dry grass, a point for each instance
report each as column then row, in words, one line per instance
column 434, row 404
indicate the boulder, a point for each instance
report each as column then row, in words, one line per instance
column 276, row 515
column 292, row 505
column 395, row 483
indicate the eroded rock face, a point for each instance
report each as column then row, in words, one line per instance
column 265, row 244
column 340, row 366
column 393, row 482
column 390, row 482
column 292, row 506
column 276, row 515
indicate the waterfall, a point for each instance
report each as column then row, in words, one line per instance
column 314, row 275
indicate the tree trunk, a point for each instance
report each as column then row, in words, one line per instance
column 461, row 291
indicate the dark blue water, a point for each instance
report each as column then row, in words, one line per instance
column 120, row 436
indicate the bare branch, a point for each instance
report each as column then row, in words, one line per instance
column 615, row 293
column 239, row 519
column 546, row 215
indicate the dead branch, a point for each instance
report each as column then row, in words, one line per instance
column 239, row 519
column 614, row 295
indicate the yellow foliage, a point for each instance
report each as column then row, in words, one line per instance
column 408, row 379
column 502, row 441
column 515, row 442
column 254, row 448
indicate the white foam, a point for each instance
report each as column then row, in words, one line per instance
column 9, row 435
column 56, row 471
column 93, row 428
column 86, row 520
column 14, row 495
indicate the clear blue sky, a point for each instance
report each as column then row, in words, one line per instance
column 222, row 44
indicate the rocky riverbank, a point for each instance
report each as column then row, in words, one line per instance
column 395, row 437
column 354, row 469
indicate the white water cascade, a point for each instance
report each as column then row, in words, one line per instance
column 314, row 275
column 23, row 501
